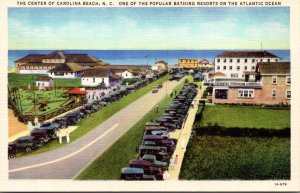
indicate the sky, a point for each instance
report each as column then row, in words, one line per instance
column 148, row 28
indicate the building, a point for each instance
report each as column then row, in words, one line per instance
column 96, row 77
column 161, row 65
column 188, row 63
column 272, row 86
column 67, row 70
column 204, row 65
column 43, row 82
column 130, row 74
column 42, row 63
column 234, row 63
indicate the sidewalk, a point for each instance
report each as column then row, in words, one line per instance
column 183, row 137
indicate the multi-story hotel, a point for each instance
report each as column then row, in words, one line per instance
column 234, row 64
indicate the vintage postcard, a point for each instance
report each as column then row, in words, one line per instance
column 114, row 95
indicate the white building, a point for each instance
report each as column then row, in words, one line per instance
column 130, row 74
column 234, row 63
column 44, row 81
column 96, row 77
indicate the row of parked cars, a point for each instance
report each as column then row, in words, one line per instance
column 157, row 148
column 49, row 130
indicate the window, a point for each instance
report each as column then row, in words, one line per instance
column 224, row 67
column 218, row 60
column 238, row 68
column 93, row 79
column 253, row 60
column 246, row 93
column 246, row 60
column 269, row 60
column 273, row 93
column 261, row 60
column 274, row 79
column 238, row 60
column 288, row 94
column 288, row 80
column 276, row 60
column 230, row 67
column 234, row 75
column 245, row 67
column 253, row 68
column 224, row 60
column 230, row 60
column 218, row 67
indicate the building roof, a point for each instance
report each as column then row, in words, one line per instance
column 161, row 61
column 217, row 74
column 115, row 76
column 70, row 58
column 126, row 67
column 76, row 91
column 274, row 67
column 247, row 54
column 44, row 78
column 69, row 67
column 96, row 72
column 204, row 61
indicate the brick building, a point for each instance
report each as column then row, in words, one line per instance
column 272, row 86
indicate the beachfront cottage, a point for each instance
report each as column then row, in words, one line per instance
column 68, row 70
column 188, row 63
column 42, row 63
column 234, row 63
column 98, row 77
column 204, row 65
column 272, row 86
column 43, row 82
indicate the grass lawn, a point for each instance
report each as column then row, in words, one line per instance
column 56, row 99
column 89, row 123
column 245, row 116
column 15, row 80
column 108, row 166
column 228, row 158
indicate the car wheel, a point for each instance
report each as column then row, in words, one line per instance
column 42, row 143
column 28, row 149
column 11, row 156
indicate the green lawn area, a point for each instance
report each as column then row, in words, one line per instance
column 89, row 123
column 15, row 80
column 109, row 164
column 245, row 116
column 55, row 99
column 233, row 158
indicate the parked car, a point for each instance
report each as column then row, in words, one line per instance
column 157, row 132
column 159, row 86
column 155, row 162
column 160, row 151
column 27, row 143
column 74, row 117
column 148, row 168
column 85, row 112
column 41, row 134
column 129, row 173
column 91, row 108
column 169, row 144
column 52, row 128
column 11, row 151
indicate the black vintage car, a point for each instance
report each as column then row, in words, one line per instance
column 51, row 128
column 11, row 151
column 64, row 122
column 85, row 112
column 148, row 168
column 135, row 174
column 27, row 143
column 41, row 134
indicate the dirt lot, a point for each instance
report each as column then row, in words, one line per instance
column 14, row 125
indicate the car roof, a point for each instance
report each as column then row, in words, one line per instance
column 149, row 156
column 25, row 138
column 152, row 137
column 128, row 170
column 150, row 147
column 139, row 161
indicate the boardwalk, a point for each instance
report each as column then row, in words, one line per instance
column 183, row 137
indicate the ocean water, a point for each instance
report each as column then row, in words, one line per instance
column 138, row 57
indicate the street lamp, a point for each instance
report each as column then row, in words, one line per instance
column 157, row 108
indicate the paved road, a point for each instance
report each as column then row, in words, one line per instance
column 66, row 162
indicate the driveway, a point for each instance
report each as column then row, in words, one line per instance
column 68, row 161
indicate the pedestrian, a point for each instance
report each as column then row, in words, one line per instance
column 166, row 175
column 182, row 144
column 176, row 161
column 172, row 163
